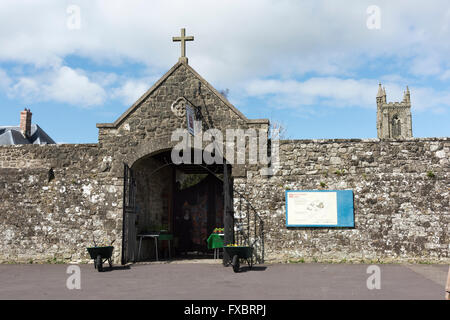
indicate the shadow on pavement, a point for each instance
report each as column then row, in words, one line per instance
column 257, row 268
column 116, row 268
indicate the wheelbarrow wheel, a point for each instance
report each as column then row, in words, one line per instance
column 99, row 263
column 235, row 263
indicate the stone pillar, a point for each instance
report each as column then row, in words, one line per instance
column 410, row 125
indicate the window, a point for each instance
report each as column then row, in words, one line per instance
column 396, row 127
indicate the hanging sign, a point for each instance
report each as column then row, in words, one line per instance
column 190, row 118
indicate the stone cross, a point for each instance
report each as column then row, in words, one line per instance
column 183, row 40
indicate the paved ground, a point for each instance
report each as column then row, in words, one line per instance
column 213, row 281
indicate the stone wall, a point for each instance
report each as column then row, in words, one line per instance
column 54, row 199
column 401, row 200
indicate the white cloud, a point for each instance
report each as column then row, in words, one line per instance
column 445, row 75
column 62, row 84
column 237, row 44
column 132, row 90
column 329, row 91
column 426, row 66
column 5, row 80
column 25, row 87
column 424, row 99
column 73, row 87
column 336, row 92
column 233, row 39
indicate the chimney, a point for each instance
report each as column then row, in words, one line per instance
column 25, row 122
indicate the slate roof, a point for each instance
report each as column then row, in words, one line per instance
column 10, row 135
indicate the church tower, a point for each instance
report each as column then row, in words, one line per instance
column 393, row 118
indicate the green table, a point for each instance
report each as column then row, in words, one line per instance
column 165, row 236
column 215, row 241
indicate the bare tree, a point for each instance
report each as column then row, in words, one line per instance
column 277, row 130
column 225, row 92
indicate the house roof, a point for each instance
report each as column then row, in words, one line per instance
column 11, row 135
column 160, row 81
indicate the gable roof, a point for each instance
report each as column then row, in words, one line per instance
column 11, row 135
column 161, row 80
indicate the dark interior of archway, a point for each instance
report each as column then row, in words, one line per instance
column 184, row 200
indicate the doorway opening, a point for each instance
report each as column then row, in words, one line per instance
column 170, row 210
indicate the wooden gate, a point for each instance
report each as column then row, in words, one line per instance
column 129, row 216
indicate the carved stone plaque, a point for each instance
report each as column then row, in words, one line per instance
column 179, row 107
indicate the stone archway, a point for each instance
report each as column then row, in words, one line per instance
column 158, row 204
column 149, row 148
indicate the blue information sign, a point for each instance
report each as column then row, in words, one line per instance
column 319, row 208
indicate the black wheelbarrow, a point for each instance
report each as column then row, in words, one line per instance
column 237, row 253
column 100, row 256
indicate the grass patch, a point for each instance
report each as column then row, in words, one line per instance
column 301, row 260
column 55, row 261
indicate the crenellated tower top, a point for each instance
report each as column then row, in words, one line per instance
column 393, row 118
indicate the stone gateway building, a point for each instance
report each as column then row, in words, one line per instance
column 56, row 199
